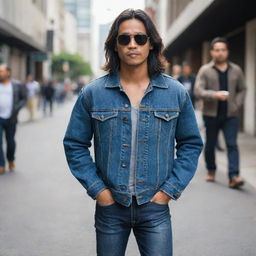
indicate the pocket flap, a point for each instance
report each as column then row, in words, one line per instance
column 103, row 116
column 166, row 115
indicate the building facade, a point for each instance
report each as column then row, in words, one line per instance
column 22, row 42
column 81, row 10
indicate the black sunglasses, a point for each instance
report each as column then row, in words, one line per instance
column 125, row 39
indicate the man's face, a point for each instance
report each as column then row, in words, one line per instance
column 4, row 73
column 186, row 70
column 219, row 52
column 30, row 78
column 133, row 54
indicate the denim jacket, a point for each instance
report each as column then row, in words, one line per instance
column 166, row 119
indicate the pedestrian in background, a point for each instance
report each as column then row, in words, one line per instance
column 48, row 97
column 60, row 93
column 220, row 84
column 176, row 70
column 33, row 90
column 12, row 99
column 135, row 114
column 187, row 78
column 166, row 63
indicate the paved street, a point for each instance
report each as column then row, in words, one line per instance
column 44, row 211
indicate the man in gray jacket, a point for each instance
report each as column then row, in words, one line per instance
column 220, row 84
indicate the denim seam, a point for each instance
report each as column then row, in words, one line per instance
column 142, row 109
column 158, row 150
column 110, row 147
column 95, row 182
column 168, row 149
column 175, row 187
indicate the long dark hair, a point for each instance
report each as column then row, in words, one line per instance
column 112, row 64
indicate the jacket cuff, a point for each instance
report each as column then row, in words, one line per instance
column 170, row 190
column 96, row 188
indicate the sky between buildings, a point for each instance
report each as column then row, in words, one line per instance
column 106, row 11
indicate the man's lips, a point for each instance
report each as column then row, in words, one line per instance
column 133, row 54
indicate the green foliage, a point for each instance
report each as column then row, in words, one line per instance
column 77, row 66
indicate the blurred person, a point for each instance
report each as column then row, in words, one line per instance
column 220, row 84
column 81, row 83
column 165, row 62
column 176, row 70
column 187, row 78
column 42, row 84
column 48, row 97
column 33, row 89
column 135, row 114
column 60, row 92
column 12, row 99
column 69, row 89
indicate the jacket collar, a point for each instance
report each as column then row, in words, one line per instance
column 113, row 81
column 230, row 64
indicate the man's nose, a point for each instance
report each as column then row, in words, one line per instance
column 132, row 43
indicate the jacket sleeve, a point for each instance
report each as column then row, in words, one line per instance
column 241, row 90
column 22, row 95
column 188, row 148
column 77, row 141
column 200, row 90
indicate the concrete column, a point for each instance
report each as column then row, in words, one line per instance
column 162, row 18
column 250, row 78
column 205, row 52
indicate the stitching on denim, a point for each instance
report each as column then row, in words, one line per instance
column 95, row 182
column 158, row 149
column 142, row 109
column 174, row 186
column 110, row 146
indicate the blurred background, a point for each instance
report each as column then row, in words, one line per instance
column 43, row 210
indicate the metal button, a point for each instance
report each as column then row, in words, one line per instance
column 125, row 145
column 123, row 165
column 139, row 181
column 122, row 186
column 125, row 119
column 139, row 197
column 166, row 115
column 101, row 117
column 126, row 105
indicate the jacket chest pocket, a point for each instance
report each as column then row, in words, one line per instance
column 104, row 122
column 164, row 121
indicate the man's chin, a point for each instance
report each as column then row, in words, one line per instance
column 220, row 61
column 135, row 64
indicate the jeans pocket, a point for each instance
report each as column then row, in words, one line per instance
column 159, row 204
column 108, row 205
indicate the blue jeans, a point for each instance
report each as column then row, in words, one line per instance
column 230, row 127
column 9, row 127
column 151, row 224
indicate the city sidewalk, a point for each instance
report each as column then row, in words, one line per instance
column 247, row 149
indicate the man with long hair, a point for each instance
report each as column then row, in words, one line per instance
column 135, row 114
